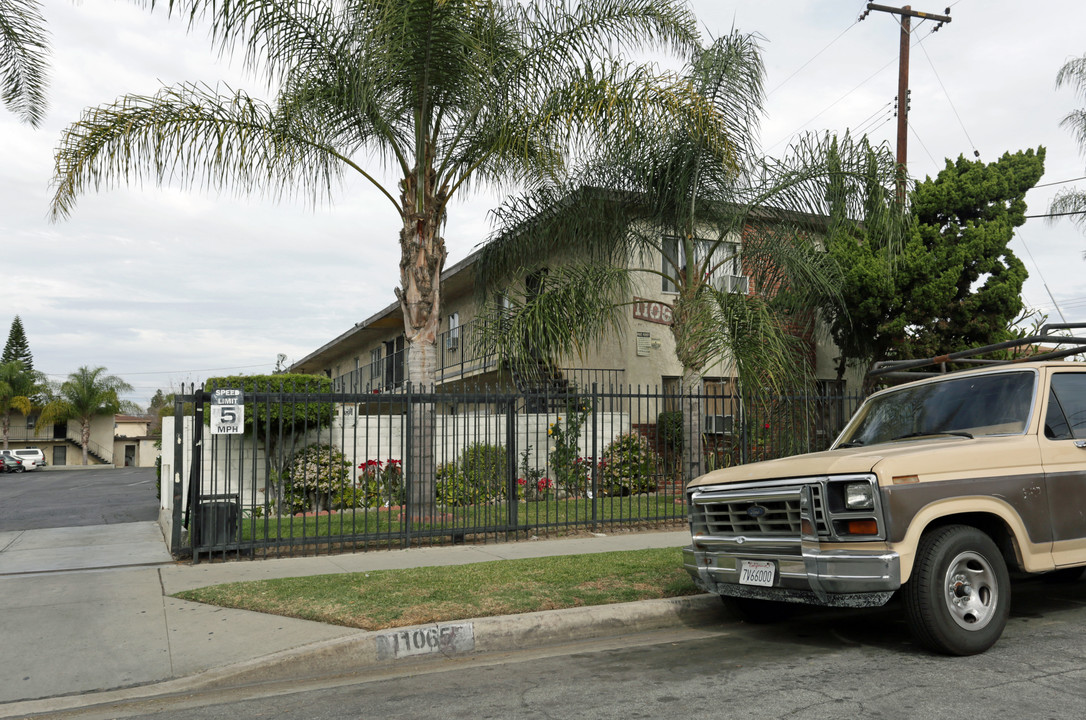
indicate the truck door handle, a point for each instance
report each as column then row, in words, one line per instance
column 1080, row 443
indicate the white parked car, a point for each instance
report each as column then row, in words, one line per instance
column 33, row 458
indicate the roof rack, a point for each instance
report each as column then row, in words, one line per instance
column 909, row 369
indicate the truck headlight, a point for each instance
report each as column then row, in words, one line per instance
column 859, row 496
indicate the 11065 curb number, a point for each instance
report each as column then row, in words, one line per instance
column 444, row 639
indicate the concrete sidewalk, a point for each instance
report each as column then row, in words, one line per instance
column 86, row 615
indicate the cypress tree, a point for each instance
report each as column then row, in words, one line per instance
column 17, row 347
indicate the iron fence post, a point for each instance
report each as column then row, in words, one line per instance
column 595, row 457
column 196, row 473
column 513, row 502
column 408, row 467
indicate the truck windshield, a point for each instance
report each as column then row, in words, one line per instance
column 995, row 404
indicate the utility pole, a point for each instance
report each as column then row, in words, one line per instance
column 907, row 14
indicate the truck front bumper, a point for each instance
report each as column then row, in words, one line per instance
column 806, row 574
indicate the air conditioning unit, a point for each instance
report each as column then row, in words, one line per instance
column 718, row 424
column 735, row 284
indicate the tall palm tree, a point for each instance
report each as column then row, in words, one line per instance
column 85, row 395
column 449, row 93
column 17, row 387
column 24, row 49
column 1073, row 200
column 666, row 210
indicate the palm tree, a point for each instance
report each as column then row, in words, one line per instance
column 17, row 387
column 665, row 210
column 449, row 93
column 86, row 394
column 23, row 52
column 1072, row 200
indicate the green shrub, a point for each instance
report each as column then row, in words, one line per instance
column 477, row 477
column 629, row 466
column 314, row 476
column 669, row 428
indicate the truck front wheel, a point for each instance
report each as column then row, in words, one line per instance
column 958, row 599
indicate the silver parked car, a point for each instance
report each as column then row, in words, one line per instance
column 32, row 458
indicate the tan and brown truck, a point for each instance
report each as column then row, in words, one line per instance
column 935, row 488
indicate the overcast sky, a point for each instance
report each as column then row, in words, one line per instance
column 165, row 287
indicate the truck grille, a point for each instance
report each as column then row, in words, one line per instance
column 723, row 515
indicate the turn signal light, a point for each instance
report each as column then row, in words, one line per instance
column 863, row 527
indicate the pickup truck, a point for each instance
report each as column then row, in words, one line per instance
column 936, row 489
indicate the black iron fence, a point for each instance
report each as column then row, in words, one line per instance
column 272, row 474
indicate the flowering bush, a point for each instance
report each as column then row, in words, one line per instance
column 566, row 451
column 532, row 489
column 629, row 466
column 315, row 474
column 380, row 484
column 531, row 485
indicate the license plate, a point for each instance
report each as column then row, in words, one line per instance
column 756, row 572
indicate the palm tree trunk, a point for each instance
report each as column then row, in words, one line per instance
column 693, row 409
column 84, row 438
column 685, row 318
column 421, row 261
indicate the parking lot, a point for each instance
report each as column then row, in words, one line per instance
column 52, row 497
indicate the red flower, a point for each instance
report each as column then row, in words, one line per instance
column 521, row 481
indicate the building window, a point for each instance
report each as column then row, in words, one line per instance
column 452, row 339
column 394, row 363
column 672, row 388
column 376, row 369
column 724, row 269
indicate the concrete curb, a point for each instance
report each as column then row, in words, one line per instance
column 354, row 654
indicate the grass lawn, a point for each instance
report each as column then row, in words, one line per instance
column 395, row 598
column 552, row 513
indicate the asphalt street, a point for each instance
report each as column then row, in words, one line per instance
column 811, row 665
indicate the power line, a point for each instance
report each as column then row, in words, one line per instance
column 1044, row 282
column 1060, row 214
column 926, row 151
column 1060, row 182
column 873, row 117
column 813, row 58
column 976, row 153
column 829, row 107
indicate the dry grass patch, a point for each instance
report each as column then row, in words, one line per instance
column 413, row 596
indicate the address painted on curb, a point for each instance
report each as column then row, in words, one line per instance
column 452, row 639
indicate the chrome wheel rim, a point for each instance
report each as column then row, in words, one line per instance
column 971, row 591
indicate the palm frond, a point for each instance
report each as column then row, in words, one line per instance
column 189, row 135
column 24, row 52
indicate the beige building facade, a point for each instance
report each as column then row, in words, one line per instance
column 370, row 357
column 121, row 440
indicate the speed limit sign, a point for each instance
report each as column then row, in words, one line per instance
column 227, row 412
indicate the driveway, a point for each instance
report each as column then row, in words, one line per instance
column 52, row 498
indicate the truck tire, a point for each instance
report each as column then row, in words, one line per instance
column 958, row 598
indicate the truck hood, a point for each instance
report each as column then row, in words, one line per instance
column 929, row 458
